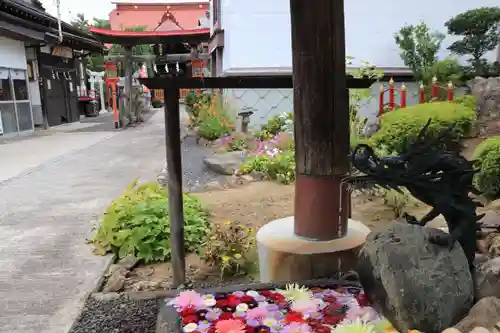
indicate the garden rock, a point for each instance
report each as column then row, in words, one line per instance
column 116, row 281
column 487, row 279
column 487, row 93
column 225, row 163
column 129, row 262
column 414, row 283
column 485, row 313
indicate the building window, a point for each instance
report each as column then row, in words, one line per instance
column 15, row 106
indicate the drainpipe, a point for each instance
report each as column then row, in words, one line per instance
column 59, row 27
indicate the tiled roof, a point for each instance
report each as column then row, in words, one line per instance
column 150, row 15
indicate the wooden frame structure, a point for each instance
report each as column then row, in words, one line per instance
column 171, row 87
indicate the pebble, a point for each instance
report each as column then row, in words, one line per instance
column 119, row 315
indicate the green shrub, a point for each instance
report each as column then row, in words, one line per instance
column 137, row 223
column 469, row 101
column 400, row 127
column 487, row 159
column 156, row 104
column 215, row 120
column 274, row 126
column 278, row 166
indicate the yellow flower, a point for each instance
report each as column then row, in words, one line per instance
column 293, row 292
column 225, row 259
column 354, row 327
column 237, row 256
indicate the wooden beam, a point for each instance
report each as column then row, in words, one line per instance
column 241, row 82
column 174, row 183
column 321, row 118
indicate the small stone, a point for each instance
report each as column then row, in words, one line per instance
column 484, row 313
column 128, row 262
column 248, row 178
column 480, row 330
column 112, row 269
column 487, row 279
column 213, row 185
column 116, row 281
column 451, row 330
column 225, row 163
column 402, row 272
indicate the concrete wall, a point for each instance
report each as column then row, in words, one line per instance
column 257, row 32
column 12, row 53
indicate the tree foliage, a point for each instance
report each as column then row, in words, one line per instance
column 418, row 47
column 480, row 29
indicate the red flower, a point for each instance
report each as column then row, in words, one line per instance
column 265, row 293
column 277, row 297
column 313, row 322
column 330, row 299
column 233, row 301
column 226, row 316
column 321, row 329
column 333, row 319
column 221, row 303
column 246, row 299
column 363, row 299
column 190, row 319
column 294, row 317
column 332, row 309
column 188, row 311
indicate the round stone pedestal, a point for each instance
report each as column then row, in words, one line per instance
column 283, row 256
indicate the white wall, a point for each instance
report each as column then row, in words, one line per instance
column 12, row 53
column 34, row 89
column 257, row 32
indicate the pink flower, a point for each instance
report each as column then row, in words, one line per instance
column 257, row 313
column 365, row 314
column 297, row 328
column 189, row 298
column 230, row 326
column 306, row 306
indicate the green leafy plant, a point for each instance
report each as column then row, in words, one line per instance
column 446, row 70
column 469, row 101
column 274, row 126
column 230, row 247
column 480, row 29
column 418, row 47
column 487, row 159
column 137, row 224
column 401, row 127
column 397, row 201
column 156, row 104
column 276, row 165
column 215, row 120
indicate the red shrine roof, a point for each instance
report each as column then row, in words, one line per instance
column 193, row 36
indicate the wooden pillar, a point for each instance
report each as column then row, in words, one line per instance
column 174, row 183
column 128, row 80
column 321, row 118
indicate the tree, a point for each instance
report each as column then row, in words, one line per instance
column 418, row 47
column 80, row 22
column 480, row 29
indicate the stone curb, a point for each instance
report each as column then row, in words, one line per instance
column 111, row 258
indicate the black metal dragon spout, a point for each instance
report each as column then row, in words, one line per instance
column 433, row 174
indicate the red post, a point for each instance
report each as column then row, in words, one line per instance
column 403, row 96
column 381, row 100
column 422, row 94
column 450, row 91
column 391, row 94
column 435, row 87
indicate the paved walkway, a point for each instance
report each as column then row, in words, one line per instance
column 51, row 188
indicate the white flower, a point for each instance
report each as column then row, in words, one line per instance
column 190, row 328
column 209, row 302
column 354, row 327
column 242, row 307
column 252, row 293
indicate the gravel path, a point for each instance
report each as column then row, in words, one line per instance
column 121, row 315
column 46, row 267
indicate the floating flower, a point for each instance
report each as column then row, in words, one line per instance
column 252, row 293
column 354, row 327
column 258, row 313
column 189, row 298
column 212, row 315
column 191, row 327
column 294, row 292
column 230, row 326
column 270, row 322
column 366, row 314
column 242, row 307
column 297, row 328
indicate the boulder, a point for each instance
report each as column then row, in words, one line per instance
column 487, row 93
column 414, row 283
column 116, row 281
column 487, row 279
column 225, row 163
column 485, row 313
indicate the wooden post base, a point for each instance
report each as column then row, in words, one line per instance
column 283, row 256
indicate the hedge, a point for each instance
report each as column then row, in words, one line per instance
column 401, row 126
column 487, row 159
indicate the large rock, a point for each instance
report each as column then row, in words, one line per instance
column 225, row 163
column 487, row 93
column 487, row 279
column 485, row 313
column 414, row 283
